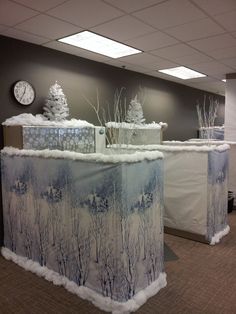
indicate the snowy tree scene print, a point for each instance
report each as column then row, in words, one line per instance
column 98, row 224
column 217, row 215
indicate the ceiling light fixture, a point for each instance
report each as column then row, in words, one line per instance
column 182, row 73
column 224, row 80
column 99, row 44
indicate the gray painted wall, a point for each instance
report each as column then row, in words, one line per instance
column 165, row 101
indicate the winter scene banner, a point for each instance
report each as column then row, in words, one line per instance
column 217, row 215
column 100, row 225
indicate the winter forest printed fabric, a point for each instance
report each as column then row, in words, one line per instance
column 98, row 224
column 217, row 215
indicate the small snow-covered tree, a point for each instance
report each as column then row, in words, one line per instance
column 56, row 107
column 135, row 112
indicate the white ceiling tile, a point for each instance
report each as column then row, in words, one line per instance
column 15, row 33
column 231, row 62
column 41, row 5
column 141, row 58
column 136, row 68
column 123, row 28
column 116, row 63
column 216, row 87
column 214, row 42
column 48, row 26
column 170, row 13
column 86, row 14
column 152, row 41
column 229, row 52
column 194, row 58
column 213, row 7
column 195, row 30
column 148, row 61
column 12, row 13
column 178, row 50
column 164, row 76
column 132, row 5
column 228, row 20
column 76, row 51
column 211, row 68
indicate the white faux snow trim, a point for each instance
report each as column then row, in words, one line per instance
column 58, row 154
column 198, row 141
column 173, row 148
column 125, row 125
column 104, row 303
column 216, row 238
column 40, row 120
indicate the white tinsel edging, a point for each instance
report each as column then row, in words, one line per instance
column 126, row 125
column 58, row 154
column 216, row 238
column 104, row 303
column 173, row 148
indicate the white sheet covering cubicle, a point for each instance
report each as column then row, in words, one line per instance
column 232, row 156
column 195, row 190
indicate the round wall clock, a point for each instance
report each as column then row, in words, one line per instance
column 24, row 92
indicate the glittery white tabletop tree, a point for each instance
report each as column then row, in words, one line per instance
column 56, row 107
column 135, row 112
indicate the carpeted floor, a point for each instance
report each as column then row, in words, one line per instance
column 202, row 280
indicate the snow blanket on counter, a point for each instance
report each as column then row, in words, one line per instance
column 98, row 225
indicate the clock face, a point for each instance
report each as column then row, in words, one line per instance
column 24, row 92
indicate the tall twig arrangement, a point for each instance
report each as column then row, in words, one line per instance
column 207, row 114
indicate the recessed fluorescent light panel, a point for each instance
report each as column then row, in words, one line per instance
column 182, row 73
column 99, row 44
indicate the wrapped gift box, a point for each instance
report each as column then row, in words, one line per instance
column 128, row 133
column 77, row 139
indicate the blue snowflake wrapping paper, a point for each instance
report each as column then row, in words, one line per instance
column 73, row 139
column 98, row 224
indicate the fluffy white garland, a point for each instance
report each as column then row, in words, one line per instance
column 125, row 125
column 173, row 148
column 104, row 303
column 40, row 120
column 198, row 141
column 216, row 238
column 58, row 154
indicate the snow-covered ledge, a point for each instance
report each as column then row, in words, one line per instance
column 58, row 154
column 173, row 148
column 145, row 126
column 92, row 223
column 40, row 120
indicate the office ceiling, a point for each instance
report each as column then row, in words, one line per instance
column 199, row 34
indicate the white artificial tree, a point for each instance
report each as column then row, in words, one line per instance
column 135, row 112
column 56, row 107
